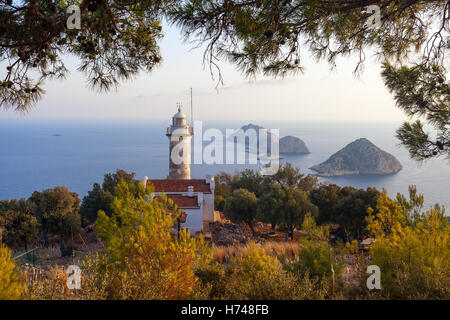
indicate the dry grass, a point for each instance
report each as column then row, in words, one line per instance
column 223, row 254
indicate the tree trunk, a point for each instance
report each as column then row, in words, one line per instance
column 45, row 232
column 45, row 239
column 289, row 233
column 62, row 243
column 251, row 227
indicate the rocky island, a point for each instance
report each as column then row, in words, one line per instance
column 257, row 128
column 293, row 145
column 287, row 145
column 243, row 130
column 359, row 157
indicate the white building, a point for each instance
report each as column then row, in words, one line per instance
column 195, row 197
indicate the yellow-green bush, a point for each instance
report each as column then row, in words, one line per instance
column 11, row 287
column 414, row 258
column 257, row 275
column 387, row 216
column 313, row 231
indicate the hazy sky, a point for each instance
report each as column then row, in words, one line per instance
column 318, row 94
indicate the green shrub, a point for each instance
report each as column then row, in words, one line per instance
column 317, row 259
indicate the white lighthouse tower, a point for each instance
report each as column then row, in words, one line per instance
column 180, row 135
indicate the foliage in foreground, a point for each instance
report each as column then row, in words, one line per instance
column 413, row 254
column 149, row 263
column 11, row 286
column 257, row 276
column 316, row 258
column 144, row 261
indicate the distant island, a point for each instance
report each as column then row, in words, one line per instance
column 287, row 145
column 359, row 157
column 293, row 145
column 257, row 128
column 249, row 148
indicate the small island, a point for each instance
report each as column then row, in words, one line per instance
column 359, row 157
column 293, row 145
column 271, row 138
column 287, row 145
column 256, row 127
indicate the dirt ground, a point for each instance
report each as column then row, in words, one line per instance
column 84, row 243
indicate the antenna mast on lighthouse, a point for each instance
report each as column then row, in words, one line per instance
column 192, row 112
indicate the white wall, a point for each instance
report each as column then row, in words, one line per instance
column 194, row 220
column 208, row 210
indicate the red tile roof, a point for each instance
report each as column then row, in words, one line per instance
column 183, row 201
column 168, row 185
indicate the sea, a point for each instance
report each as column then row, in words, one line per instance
column 37, row 154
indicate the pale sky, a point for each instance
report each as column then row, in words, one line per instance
column 318, row 94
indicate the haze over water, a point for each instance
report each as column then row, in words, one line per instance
column 40, row 154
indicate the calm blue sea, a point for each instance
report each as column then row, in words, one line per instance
column 40, row 154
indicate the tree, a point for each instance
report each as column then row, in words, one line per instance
column 250, row 180
column 345, row 206
column 96, row 199
column 116, row 39
column 422, row 92
column 325, row 198
column 351, row 210
column 11, row 287
column 19, row 224
column 241, row 206
column 147, row 262
column 288, row 176
column 414, row 205
column 269, row 205
column 294, row 204
column 111, row 180
column 222, row 189
column 286, row 207
column 270, row 37
column 102, row 198
column 57, row 211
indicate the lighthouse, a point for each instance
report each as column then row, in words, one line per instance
column 180, row 135
column 194, row 197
